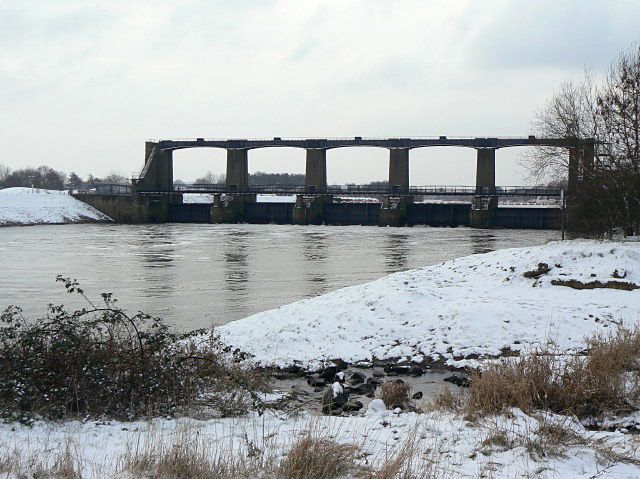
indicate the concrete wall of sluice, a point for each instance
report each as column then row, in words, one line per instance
column 169, row 208
column 133, row 208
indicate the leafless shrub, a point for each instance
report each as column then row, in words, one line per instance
column 394, row 394
column 101, row 361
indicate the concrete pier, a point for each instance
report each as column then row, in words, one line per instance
column 309, row 210
column 483, row 210
column 393, row 211
column 237, row 168
column 315, row 177
column 486, row 171
column 158, row 169
column 399, row 169
column 217, row 209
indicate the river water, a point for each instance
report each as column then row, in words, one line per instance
column 200, row 275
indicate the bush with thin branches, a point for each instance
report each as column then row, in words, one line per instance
column 101, row 361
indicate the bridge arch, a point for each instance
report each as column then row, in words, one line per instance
column 442, row 165
column 277, row 160
column 189, row 164
column 375, row 160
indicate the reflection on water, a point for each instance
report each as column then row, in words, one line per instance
column 396, row 252
column 157, row 248
column 483, row 241
column 236, row 264
column 315, row 247
column 202, row 275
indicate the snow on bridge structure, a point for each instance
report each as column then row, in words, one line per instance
column 155, row 198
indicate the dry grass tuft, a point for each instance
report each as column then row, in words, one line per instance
column 557, row 435
column 413, row 460
column 318, row 458
column 394, row 394
column 192, row 455
column 498, row 440
column 62, row 463
column 606, row 380
column 189, row 455
column 446, row 400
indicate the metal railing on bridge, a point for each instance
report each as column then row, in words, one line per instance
column 371, row 190
column 108, row 189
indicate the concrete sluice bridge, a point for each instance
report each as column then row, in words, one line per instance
column 153, row 197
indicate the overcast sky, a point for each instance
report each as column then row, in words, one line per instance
column 83, row 83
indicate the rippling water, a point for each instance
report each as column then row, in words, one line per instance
column 202, row 275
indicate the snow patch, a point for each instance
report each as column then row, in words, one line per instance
column 30, row 206
column 337, row 389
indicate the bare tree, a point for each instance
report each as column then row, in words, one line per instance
column 210, row 178
column 618, row 106
column 570, row 113
column 608, row 112
column 115, row 177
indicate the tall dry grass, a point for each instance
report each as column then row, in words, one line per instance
column 313, row 457
column 394, row 394
column 63, row 462
column 605, row 380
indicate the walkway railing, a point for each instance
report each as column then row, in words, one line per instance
column 338, row 190
column 362, row 190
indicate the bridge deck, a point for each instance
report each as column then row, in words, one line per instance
column 329, row 143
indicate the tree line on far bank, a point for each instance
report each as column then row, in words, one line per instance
column 48, row 178
column 257, row 178
column 263, row 178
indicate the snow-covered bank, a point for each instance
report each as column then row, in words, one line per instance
column 27, row 206
column 472, row 306
column 443, row 444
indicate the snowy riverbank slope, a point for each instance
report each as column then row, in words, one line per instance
column 27, row 206
column 476, row 305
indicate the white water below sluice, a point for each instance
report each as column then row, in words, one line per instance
column 199, row 275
